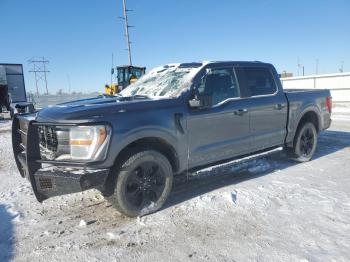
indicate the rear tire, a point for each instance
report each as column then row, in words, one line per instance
column 305, row 143
column 143, row 184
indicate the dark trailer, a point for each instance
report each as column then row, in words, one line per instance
column 12, row 88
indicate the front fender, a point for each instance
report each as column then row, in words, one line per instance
column 175, row 139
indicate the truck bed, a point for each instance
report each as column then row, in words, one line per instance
column 301, row 101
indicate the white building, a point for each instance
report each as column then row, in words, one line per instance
column 339, row 84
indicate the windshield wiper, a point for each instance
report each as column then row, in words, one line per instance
column 109, row 95
column 141, row 97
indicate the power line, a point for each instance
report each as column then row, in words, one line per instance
column 39, row 70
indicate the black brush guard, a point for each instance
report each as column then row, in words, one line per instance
column 54, row 180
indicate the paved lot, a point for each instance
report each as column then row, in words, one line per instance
column 270, row 209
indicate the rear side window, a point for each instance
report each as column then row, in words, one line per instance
column 259, row 81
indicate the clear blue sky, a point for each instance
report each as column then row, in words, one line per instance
column 79, row 36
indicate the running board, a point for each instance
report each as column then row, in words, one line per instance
column 239, row 160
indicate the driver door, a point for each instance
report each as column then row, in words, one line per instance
column 220, row 129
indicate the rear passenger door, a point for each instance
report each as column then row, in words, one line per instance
column 267, row 106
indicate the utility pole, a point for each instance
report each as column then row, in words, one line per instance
column 40, row 70
column 114, row 72
column 128, row 43
column 112, row 69
column 69, row 85
column 341, row 69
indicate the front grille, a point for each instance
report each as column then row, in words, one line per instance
column 48, row 142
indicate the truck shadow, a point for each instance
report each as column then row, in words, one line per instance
column 190, row 186
column 6, row 235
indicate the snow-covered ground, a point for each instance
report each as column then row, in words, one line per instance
column 4, row 124
column 268, row 209
column 344, row 109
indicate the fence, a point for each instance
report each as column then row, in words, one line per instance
column 339, row 84
column 43, row 101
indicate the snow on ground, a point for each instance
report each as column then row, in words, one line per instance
column 341, row 117
column 268, row 209
column 341, row 109
column 4, row 124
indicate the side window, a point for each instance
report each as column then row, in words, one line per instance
column 121, row 73
column 218, row 85
column 259, row 81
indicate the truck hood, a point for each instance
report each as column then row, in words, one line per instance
column 94, row 109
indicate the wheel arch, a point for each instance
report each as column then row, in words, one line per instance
column 145, row 143
column 151, row 143
column 312, row 115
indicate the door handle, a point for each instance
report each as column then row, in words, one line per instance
column 280, row 106
column 240, row 112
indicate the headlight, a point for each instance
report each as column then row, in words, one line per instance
column 84, row 143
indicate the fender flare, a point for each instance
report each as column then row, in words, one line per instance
column 169, row 138
column 313, row 109
column 292, row 129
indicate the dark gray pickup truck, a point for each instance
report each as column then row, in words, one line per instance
column 176, row 118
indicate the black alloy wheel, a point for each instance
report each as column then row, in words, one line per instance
column 307, row 141
column 145, row 185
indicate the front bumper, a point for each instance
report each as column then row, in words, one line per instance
column 55, row 181
column 49, row 178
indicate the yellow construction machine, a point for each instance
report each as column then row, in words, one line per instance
column 126, row 75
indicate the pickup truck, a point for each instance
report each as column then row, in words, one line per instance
column 175, row 119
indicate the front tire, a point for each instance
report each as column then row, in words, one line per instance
column 143, row 184
column 305, row 143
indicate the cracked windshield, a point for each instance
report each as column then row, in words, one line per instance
column 162, row 82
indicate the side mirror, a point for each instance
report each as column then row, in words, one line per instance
column 195, row 103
